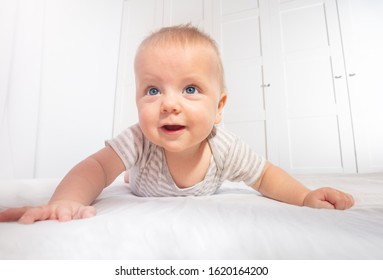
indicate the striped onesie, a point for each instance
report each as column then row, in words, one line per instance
column 149, row 175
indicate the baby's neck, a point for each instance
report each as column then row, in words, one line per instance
column 189, row 167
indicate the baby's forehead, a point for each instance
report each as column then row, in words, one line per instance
column 181, row 38
column 178, row 36
column 175, row 45
column 163, row 51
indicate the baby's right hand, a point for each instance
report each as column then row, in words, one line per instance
column 59, row 210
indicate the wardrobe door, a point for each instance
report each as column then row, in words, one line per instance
column 315, row 131
column 362, row 30
column 196, row 12
column 238, row 31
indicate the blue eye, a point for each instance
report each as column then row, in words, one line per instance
column 152, row 91
column 190, row 90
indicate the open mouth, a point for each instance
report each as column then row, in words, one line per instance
column 173, row 128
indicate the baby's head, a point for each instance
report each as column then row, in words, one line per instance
column 184, row 36
column 180, row 88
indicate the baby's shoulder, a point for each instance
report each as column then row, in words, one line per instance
column 222, row 137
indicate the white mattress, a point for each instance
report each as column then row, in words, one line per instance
column 235, row 223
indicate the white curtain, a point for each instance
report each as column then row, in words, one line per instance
column 21, row 29
column 58, row 68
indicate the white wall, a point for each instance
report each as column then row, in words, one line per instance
column 57, row 82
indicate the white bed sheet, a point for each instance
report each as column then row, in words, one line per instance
column 235, row 223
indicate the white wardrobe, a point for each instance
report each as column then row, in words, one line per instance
column 302, row 75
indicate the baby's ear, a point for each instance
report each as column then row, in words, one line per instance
column 221, row 105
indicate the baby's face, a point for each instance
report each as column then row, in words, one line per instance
column 178, row 94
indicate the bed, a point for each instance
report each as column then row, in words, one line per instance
column 235, row 223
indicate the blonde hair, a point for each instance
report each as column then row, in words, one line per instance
column 184, row 35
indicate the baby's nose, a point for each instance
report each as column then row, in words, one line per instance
column 170, row 104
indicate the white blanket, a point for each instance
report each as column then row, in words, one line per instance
column 235, row 223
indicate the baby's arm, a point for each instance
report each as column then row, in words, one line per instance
column 277, row 184
column 76, row 191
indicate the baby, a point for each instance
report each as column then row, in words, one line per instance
column 176, row 149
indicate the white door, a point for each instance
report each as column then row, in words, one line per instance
column 237, row 30
column 196, row 12
column 362, row 29
column 315, row 131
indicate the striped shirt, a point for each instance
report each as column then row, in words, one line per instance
column 149, row 175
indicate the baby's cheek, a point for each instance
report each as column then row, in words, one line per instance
column 145, row 116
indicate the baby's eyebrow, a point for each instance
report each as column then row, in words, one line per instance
column 147, row 82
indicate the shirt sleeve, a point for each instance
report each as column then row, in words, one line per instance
column 129, row 145
column 239, row 161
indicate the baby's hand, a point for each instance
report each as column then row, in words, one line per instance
column 59, row 210
column 328, row 198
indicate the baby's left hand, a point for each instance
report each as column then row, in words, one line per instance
column 328, row 198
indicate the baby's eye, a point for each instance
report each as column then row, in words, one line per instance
column 152, row 91
column 190, row 90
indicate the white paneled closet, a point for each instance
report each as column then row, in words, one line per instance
column 237, row 28
column 315, row 129
column 328, row 52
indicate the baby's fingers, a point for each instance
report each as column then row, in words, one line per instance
column 344, row 201
column 57, row 211
column 329, row 198
column 87, row 212
column 65, row 214
column 12, row 214
column 34, row 214
column 320, row 204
